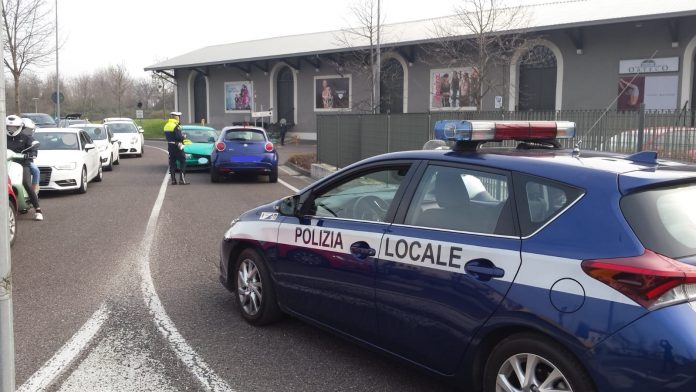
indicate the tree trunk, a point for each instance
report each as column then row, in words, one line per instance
column 15, row 76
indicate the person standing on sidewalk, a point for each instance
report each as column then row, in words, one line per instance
column 175, row 147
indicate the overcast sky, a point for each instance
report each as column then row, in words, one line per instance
column 139, row 33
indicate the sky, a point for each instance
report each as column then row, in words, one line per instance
column 96, row 34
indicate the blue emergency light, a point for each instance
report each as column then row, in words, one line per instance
column 483, row 131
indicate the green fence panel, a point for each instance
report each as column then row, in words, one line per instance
column 374, row 135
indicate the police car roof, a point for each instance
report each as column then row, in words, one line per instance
column 560, row 165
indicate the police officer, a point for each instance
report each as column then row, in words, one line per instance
column 21, row 143
column 175, row 146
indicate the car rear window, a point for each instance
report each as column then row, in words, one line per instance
column 664, row 219
column 245, row 135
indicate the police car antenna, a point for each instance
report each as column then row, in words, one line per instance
column 577, row 145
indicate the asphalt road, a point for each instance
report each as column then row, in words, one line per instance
column 88, row 258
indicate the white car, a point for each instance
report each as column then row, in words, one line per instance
column 68, row 159
column 129, row 134
column 107, row 145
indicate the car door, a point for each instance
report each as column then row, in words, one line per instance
column 92, row 159
column 326, row 257
column 446, row 263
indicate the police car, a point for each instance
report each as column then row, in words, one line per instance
column 532, row 268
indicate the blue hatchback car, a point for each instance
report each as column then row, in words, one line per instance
column 243, row 150
column 533, row 268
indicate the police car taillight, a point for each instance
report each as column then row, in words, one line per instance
column 651, row 279
column 220, row 146
column 268, row 147
column 462, row 130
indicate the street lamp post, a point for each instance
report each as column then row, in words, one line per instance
column 57, row 73
column 36, row 105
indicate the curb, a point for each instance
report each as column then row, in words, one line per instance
column 298, row 169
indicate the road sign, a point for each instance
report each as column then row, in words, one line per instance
column 54, row 97
column 139, row 114
column 262, row 114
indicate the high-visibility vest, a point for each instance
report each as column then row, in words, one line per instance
column 171, row 125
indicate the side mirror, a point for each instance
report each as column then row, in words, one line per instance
column 141, row 130
column 287, row 206
column 89, row 146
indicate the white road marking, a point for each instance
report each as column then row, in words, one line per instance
column 67, row 354
column 285, row 184
column 196, row 364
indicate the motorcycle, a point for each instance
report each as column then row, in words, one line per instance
column 15, row 172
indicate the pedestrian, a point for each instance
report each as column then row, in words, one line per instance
column 283, row 130
column 175, row 147
column 22, row 144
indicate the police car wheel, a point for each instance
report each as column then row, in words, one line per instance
column 529, row 362
column 255, row 294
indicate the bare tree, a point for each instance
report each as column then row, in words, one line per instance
column 119, row 83
column 363, row 42
column 28, row 27
column 482, row 34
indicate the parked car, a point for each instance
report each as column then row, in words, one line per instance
column 13, row 210
column 42, row 120
column 243, row 150
column 128, row 134
column 107, row 145
column 198, row 145
column 575, row 271
column 68, row 159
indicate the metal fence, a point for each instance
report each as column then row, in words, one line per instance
column 346, row 138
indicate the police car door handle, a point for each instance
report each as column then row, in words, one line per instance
column 483, row 269
column 361, row 250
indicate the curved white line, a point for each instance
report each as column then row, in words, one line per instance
column 62, row 359
column 187, row 355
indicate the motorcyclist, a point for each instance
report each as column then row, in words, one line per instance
column 29, row 128
column 22, row 144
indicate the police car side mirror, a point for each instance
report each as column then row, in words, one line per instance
column 287, row 206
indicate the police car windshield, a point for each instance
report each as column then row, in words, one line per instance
column 201, row 136
column 96, row 133
column 122, row 128
column 57, row 141
column 664, row 219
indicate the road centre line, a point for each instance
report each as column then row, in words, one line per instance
column 205, row 375
column 62, row 359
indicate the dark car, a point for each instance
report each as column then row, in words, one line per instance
column 42, row 120
column 558, row 270
column 243, row 150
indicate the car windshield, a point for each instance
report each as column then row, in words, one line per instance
column 246, row 135
column 96, row 132
column 201, row 135
column 122, row 128
column 664, row 219
column 40, row 119
column 57, row 140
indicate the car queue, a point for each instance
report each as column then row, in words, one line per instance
column 67, row 158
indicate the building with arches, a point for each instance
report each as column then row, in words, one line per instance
column 580, row 54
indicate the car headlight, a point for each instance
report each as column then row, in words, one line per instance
column 102, row 148
column 189, row 156
column 228, row 233
column 134, row 139
column 66, row 166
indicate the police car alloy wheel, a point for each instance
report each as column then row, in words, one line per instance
column 530, row 363
column 255, row 294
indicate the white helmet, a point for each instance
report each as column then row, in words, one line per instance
column 14, row 125
column 29, row 126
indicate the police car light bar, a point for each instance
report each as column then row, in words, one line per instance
column 483, row 131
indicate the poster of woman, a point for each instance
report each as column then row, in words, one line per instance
column 451, row 88
column 239, row 96
column 332, row 93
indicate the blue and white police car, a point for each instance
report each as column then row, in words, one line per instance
column 533, row 268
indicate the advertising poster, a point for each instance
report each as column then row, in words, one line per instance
column 452, row 88
column 656, row 92
column 238, row 96
column 332, row 92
